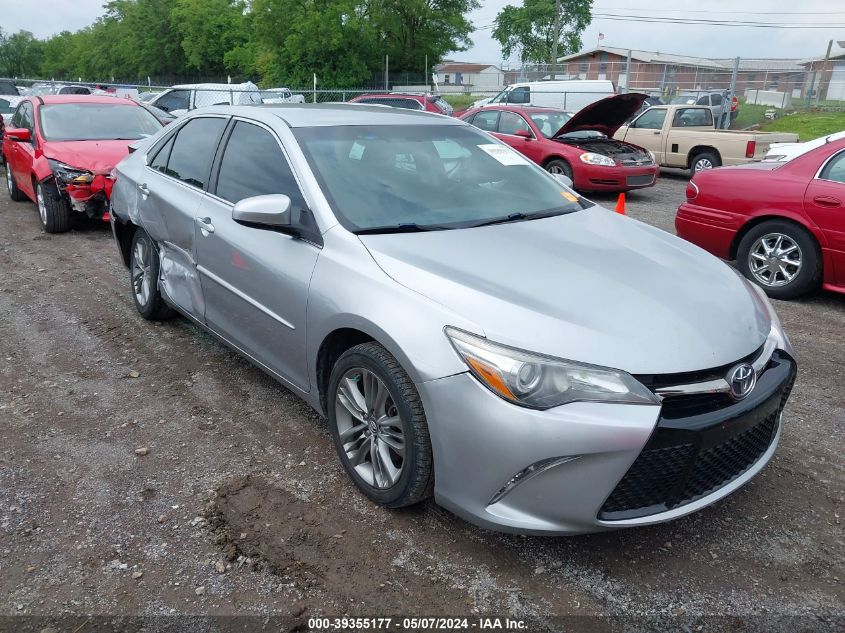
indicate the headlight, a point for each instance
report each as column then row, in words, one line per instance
column 653, row 156
column 68, row 175
column 776, row 332
column 542, row 382
column 597, row 159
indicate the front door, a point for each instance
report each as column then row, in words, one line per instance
column 255, row 280
column 646, row 131
column 21, row 154
column 509, row 124
column 824, row 202
column 169, row 198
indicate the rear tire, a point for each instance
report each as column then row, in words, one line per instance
column 14, row 192
column 53, row 209
column 773, row 251
column 704, row 160
column 143, row 278
column 374, row 409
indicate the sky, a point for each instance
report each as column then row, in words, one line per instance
column 53, row 16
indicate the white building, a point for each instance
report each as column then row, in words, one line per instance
column 463, row 77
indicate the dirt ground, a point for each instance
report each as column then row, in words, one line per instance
column 146, row 470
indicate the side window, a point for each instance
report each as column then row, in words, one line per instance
column 159, row 162
column 651, row 119
column 486, row 120
column 175, row 100
column 193, row 150
column 703, row 100
column 510, row 123
column 835, row 169
column 716, row 99
column 26, row 116
column 254, row 165
column 693, row 117
column 17, row 118
column 519, row 95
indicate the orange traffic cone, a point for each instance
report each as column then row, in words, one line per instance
column 620, row 204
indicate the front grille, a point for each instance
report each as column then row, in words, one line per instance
column 635, row 181
column 603, row 181
column 690, row 456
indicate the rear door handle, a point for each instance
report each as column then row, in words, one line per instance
column 205, row 226
column 144, row 190
column 827, row 201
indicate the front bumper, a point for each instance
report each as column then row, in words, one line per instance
column 513, row 469
column 599, row 178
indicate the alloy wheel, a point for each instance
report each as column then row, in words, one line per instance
column 141, row 272
column 702, row 164
column 556, row 169
column 370, row 428
column 42, row 205
column 774, row 260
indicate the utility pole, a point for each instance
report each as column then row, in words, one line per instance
column 726, row 106
column 628, row 72
column 821, row 72
column 557, row 38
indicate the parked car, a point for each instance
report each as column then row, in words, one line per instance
column 60, row 150
column 783, row 152
column 8, row 103
column 281, row 95
column 8, row 88
column 717, row 101
column 684, row 137
column 577, row 146
column 180, row 99
column 571, row 95
column 408, row 101
column 447, row 304
column 784, row 223
column 146, row 97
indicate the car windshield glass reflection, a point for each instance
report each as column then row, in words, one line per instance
column 96, row 122
column 428, row 177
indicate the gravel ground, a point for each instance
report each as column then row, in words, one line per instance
column 146, row 470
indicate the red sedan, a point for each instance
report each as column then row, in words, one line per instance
column 784, row 223
column 579, row 146
column 59, row 151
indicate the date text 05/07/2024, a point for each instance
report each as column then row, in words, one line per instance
column 415, row 624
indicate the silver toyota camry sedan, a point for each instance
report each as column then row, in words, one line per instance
column 472, row 329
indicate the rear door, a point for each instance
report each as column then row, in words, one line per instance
column 647, row 132
column 255, row 280
column 824, row 202
column 169, row 198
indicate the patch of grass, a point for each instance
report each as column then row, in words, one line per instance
column 749, row 114
column 808, row 125
column 460, row 101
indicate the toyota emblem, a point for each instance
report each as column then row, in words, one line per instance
column 741, row 380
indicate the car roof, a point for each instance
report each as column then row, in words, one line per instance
column 523, row 109
column 52, row 99
column 333, row 114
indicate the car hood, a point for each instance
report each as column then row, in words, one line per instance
column 605, row 115
column 590, row 286
column 95, row 156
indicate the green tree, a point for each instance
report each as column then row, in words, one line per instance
column 20, row 54
column 209, row 29
column 531, row 30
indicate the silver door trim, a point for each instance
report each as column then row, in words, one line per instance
column 255, row 304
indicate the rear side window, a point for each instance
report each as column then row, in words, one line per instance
column 193, row 150
column 254, row 165
column 835, row 169
column 692, row 117
column 716, row 99
column 175, row 100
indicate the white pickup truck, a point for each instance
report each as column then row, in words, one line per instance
column 684, row 136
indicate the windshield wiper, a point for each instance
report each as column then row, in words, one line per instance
column 518, row 217
column 411, row 227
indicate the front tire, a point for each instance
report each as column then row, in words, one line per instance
column 703, row 161
column 14, row 192
column 143, row 276
column 560, row 166
column 780, row 257
column 378, row 426
column 53, row 209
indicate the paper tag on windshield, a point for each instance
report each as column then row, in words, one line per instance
column 503, row 154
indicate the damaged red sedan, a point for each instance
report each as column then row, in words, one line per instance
column 60, row 150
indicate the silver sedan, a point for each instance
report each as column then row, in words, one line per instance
column 471, row 327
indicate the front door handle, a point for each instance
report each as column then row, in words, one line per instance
column 205, row 226
column 145, row 191
column 656, row 132
column 827, row 201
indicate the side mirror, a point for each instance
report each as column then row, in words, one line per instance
column 19, row 134
column 272, row 211
column 564, row 180
column 524, row 134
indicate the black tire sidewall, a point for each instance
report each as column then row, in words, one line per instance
column 57, row 209
column 154, row 302
column 714, row 160
column 565, row 166
column 808, row 277
column 363, row 356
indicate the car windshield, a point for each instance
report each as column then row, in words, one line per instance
column 549, row 122
column 425, row 177
column 96, row 122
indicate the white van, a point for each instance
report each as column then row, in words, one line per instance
column 179, row 99
column 571, row 95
